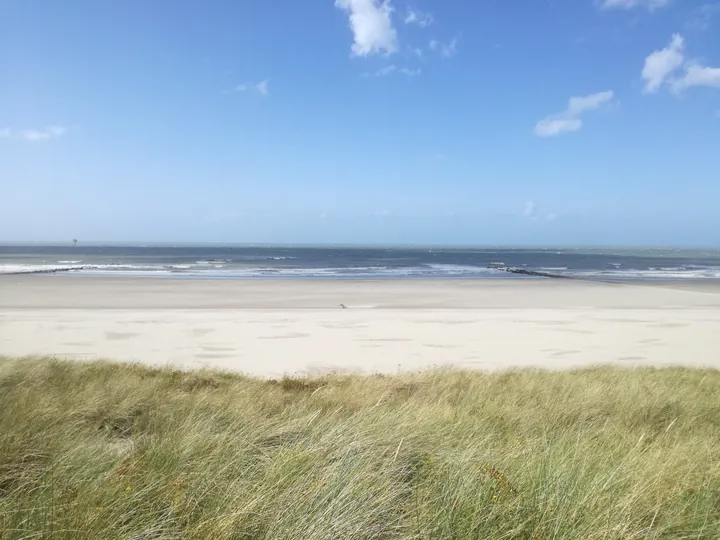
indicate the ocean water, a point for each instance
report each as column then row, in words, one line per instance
column 358, row 263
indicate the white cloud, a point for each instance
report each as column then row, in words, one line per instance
column 532, row 212
column 579, row 105
column 4, row 132
column 417, row 51
column 529, row 208
column 371, row 24
column 392, row 68
column 49, row 132
column 570, row 119
column 550, row 127
column 661, row 64
column 387, row 70
column 629, row 4
column 410, row 72
column 697, row 75
column 420, row 18
column 262, row 87
column 445, row 49
column 702, row 17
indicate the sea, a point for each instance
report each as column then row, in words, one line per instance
column 335, row 262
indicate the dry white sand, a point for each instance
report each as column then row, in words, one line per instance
column 270, row 328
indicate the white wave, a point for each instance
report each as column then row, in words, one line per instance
column 126, row 273
column 553, row 268
column 35, row 268
column 69, row 262
column 85, row 268
column 212, row 261
column 222, row 270
column 365, row 272
column 457, row 268
column 146, row 267
column 652, row 273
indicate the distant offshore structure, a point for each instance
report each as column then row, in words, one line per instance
column 74, row 241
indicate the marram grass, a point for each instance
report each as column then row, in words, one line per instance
column 103, row 450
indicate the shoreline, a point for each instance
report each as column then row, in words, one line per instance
column 507, row 270
column 271, row 328
column 123, row 292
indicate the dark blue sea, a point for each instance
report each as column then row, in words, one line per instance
column 358, row 263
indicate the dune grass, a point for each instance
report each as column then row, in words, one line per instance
column 102, row 450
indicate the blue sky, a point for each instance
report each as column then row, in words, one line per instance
column 361, row 121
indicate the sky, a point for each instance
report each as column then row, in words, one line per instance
column 531, row 122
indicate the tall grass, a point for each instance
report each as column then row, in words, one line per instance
column 100, row 450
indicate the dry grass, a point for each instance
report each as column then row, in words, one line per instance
column 108, row 451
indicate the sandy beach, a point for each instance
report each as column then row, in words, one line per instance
column 269, row 328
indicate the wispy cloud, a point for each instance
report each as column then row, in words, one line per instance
column 262, row 87
column 555, row 126
column 529, row 209
column 417, row 51
column 659, row 65
column 410, row 72
column 445, row 49
column 371, row 24
column 419, row 18
column 392, row 68
column 532, row 212
column 4, row 133
column 570, row 119
column 387, row 70
column 48, row 132
column 650, row 5
column 579, row 105
column 697, row 75
column 702, row 17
